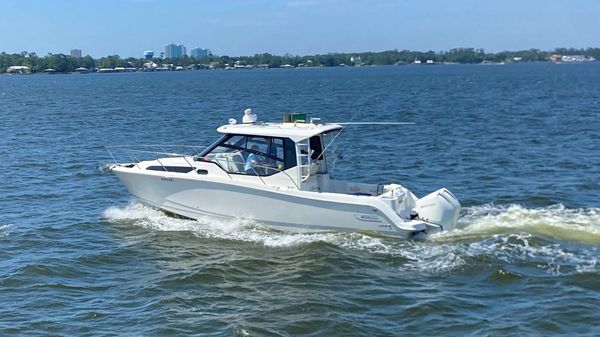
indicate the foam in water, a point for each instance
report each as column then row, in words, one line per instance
column 234, row 229
column 504, row 233
column 578, row 225
column 5, row 230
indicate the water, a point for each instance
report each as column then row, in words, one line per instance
column 519, row 145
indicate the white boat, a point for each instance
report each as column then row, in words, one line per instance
column 277, row 174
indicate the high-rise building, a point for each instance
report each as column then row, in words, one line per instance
column 76, row 53
column 200, row 52
column 175, row 50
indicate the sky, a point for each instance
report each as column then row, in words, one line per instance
column 298, row 27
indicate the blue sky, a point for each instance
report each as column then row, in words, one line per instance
column 298, row 27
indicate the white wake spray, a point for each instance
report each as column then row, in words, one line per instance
column 511, row 234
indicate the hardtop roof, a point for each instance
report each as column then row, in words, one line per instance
column 294, row 131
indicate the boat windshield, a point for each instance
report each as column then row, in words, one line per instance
column 252, row 155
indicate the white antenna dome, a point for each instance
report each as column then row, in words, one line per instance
column 249, row 117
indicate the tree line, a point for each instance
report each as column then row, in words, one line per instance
column 65, row 63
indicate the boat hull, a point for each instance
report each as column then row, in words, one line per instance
column 287, row 209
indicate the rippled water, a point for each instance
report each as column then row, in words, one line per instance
column 519, row 145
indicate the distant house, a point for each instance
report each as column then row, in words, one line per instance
column 356, row 60
column 149, row 66
column 570, row 58
column 574, row 58
column 555, row 58
column 18, row 70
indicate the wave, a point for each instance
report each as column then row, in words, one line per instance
column 234, row 229
column 508, row 234
column 575, row 225
column 5, row 230
column 476, row 223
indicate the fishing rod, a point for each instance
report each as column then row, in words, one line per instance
column 376, row 123
column 363, row 123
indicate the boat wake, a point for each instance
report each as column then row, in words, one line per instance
column 551, row 237
column 555, row 222
column 238, row 229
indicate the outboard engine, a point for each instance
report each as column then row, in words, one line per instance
column 440, row 208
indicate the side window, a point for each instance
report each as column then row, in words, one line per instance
column 289, row 153
column 274, row 155
column 276, row 149
column 228, row 153
column 253, row 154
column 228, row 145
column 259, row 159
column 236, row 141
column 261, row 143
column 317, row 149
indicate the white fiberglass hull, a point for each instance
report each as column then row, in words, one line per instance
column 289, row 209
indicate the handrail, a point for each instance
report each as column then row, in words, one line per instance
column 113, row 157
column 303, row 152
column 131, row 150
column 131, row 153
column 219, row 166
column 170, row 154
column 266, row 167
column 152, row 145
column 135, row 148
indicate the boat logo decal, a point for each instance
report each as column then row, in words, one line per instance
column 368, row 217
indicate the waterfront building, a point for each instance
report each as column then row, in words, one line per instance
column 200, row 52
column 76, row 53
column 175, row 50
column 18, row 70
column 356, row 60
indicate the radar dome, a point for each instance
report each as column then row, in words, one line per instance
column 249, row 117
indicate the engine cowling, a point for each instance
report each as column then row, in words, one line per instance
column 440, row 208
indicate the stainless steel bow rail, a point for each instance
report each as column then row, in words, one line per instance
column 138, row 153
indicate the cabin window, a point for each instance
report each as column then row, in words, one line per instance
column 236, row 141
column 253, row 155
column 289, row 153
column 316, row 148
column 179, row 169
column 260, row 144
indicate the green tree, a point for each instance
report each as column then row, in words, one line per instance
column 87, row 62
column 61, row 63
column 111, row 61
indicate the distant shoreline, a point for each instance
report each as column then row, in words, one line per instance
column 31, row 63
column 281, row 69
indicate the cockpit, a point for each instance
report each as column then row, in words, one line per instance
column 265, row 155
column 253, row 155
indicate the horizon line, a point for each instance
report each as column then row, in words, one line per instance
column 326, row 53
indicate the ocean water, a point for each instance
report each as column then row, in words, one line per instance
column 518, row 144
